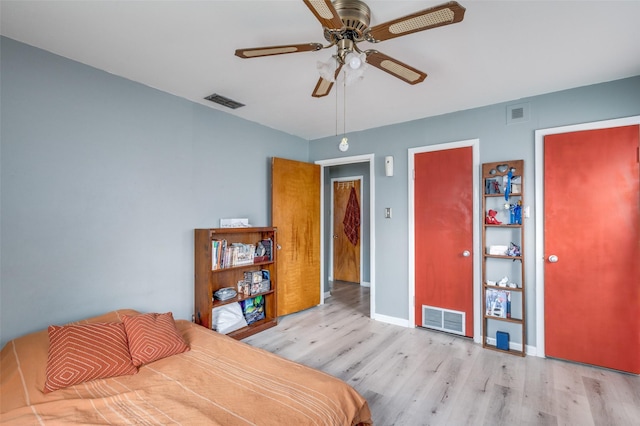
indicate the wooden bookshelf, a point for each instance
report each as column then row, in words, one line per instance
column 208, row 280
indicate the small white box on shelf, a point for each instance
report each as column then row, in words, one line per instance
column 498, row 250
column 241, row 222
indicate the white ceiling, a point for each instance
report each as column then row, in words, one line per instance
column 501, row 51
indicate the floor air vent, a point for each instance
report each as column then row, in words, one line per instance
column 443, row 319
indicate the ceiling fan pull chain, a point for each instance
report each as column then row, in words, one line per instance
column 344, row 109
column 336, row 105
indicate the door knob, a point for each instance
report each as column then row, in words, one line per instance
column 553, row 258
column 466, row 253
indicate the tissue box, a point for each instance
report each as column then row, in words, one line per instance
column 498, row 250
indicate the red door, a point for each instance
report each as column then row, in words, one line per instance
column 591, row 226
column 444, row 231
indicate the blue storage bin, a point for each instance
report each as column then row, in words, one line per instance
column 502, row 340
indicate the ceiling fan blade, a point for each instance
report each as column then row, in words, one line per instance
column 437, row 16
column 323, row 87
column 277, row 50
column 325, row 13
column 394, row 67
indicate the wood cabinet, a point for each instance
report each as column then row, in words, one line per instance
column 208, row 280
column 503, row 265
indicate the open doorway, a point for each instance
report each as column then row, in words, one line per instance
column 363, row 167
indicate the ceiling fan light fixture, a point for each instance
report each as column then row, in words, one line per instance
column 345, row 23
column 344, row 144
column 354, row 60
column 356, row 67
column 327, row 70
column 352, row 76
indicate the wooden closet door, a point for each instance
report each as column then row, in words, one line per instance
column 591, row 224
column 295, row 211
column 346, row 255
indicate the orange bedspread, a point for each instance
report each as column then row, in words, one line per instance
column 220, row 381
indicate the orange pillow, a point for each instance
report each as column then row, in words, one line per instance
column 153, row 337
column 79, row 353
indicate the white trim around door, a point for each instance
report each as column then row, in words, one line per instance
column 539, row 209
column 372, row 220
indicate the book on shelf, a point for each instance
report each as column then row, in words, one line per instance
column 498, row 303
column 253, row 309
column 243, row 254
column 216, row 253
column 224, row 255
column 268, row 246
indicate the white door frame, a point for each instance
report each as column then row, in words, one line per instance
column 331, row 240
column 372, row 220
column 474, row 144
column 539, row 199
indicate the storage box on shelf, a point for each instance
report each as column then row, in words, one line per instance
column 503, row 266
column 214, row 271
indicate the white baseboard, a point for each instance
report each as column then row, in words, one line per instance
column 392, row 320
column 529, row 350
column 327, row 294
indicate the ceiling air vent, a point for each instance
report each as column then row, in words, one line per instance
column 219, row 99
column 517, row 113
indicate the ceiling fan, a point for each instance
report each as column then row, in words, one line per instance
column 346, row 23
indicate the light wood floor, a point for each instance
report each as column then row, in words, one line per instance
column 421, row 377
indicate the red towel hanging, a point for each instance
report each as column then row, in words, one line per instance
column 351, row 220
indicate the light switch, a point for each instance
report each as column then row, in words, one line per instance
column 387, row 213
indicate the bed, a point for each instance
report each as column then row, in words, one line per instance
column 213, row 380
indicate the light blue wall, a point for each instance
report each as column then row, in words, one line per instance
column 103, row 181
column 498, row 141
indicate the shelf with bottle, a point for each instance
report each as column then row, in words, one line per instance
column 503, row 302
